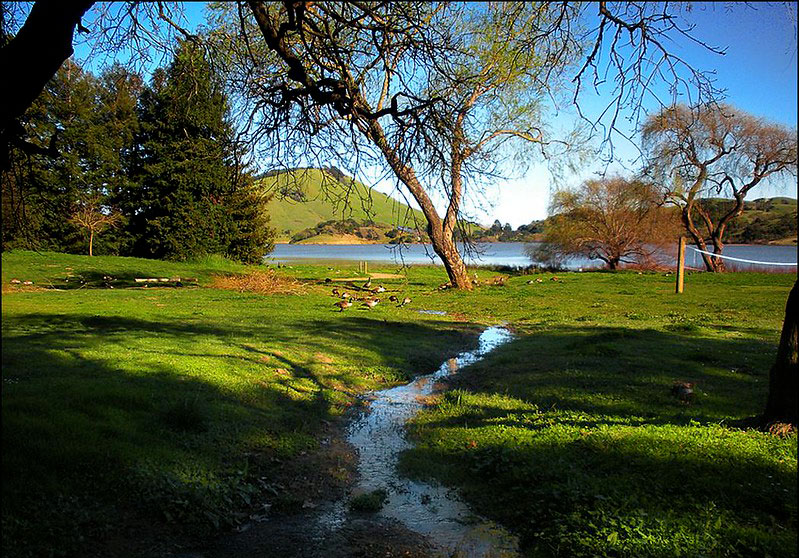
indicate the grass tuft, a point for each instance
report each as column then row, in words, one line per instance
column 369, row 502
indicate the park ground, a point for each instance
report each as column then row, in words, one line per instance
column 141, row 420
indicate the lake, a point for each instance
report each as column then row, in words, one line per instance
column 498, row 253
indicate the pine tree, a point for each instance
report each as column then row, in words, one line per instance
column 186, row 201
column 82, row 127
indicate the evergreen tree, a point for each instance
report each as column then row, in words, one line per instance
column 81, row 126
column 190, row 195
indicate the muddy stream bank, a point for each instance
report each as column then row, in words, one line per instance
column 416, row 520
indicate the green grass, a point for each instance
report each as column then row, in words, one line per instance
column 174, row 402
column 326, row 199
column 570, row 436
column 186, row 405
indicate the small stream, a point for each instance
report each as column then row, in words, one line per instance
column 431, row 510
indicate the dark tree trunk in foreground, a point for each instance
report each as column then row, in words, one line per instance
column 783, row 387
column 31, row 58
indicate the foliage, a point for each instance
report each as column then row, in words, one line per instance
column 763, row 220
column 84, row 127
column 162, row 160
column 611, row 219
column 90, row 215
column 710, row 149
column 191, row 196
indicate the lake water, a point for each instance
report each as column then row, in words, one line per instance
column 498, row 253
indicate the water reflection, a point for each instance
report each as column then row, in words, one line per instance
column 435, row 511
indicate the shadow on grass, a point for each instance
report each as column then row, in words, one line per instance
column 170, row 427
column 620, row 373
column 573, row 439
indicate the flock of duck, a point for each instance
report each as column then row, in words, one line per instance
column 348, row 300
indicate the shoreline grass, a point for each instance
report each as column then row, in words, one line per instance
column 189, row 406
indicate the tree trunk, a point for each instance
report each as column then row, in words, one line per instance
column 446, row 249
column 718, row 248
column 91, row 241
column 34, row 55
column 440, row 231
column 783, row 387
column 699, row 241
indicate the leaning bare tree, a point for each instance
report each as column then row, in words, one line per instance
column 438, row 94
column 715, row 150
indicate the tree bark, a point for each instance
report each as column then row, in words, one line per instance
column 28, row 62
column 711, row 263
column 34, row 55
column 440, row 231
column 783, row 387
column 91, row 241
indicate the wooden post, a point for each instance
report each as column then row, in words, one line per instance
column 366, row 268
column 680, row 264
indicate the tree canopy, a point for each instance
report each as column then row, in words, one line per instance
column 434, row 94
column 610, row 219
column 711, row 149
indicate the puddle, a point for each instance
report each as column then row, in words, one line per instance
column 434, row 312
column 434, row 511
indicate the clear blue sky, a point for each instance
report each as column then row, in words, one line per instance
column 758, row 71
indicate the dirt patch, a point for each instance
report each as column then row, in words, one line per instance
column 299, row 528
column 323, row 358
column 261, row 282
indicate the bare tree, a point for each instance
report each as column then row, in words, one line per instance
column 90, row 214
column 715, row 150
column 610, row 219
column 440, row 95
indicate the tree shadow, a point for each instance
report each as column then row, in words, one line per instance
column 200, row 401
column 571, row 435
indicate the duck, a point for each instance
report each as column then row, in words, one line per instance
column 405, row 301
column 371, row 303
column 380, row 289
column 367, row 284
column 393, row 298
column 345, row 295
column 335, row 292
column 343, row 304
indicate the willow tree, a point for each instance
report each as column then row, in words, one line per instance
column 614, row 220
column 713, row 150
column 436, row 95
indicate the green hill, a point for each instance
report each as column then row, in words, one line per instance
column 304, row 198
column 764, row 220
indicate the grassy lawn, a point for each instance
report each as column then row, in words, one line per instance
column 570, row 435
column 188, row 405
column 181, row 404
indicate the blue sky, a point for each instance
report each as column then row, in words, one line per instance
column 758, row 71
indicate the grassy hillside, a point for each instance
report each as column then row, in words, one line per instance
column 771, row 220
column 306, row 197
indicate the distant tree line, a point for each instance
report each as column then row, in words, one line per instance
column 139, row 170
